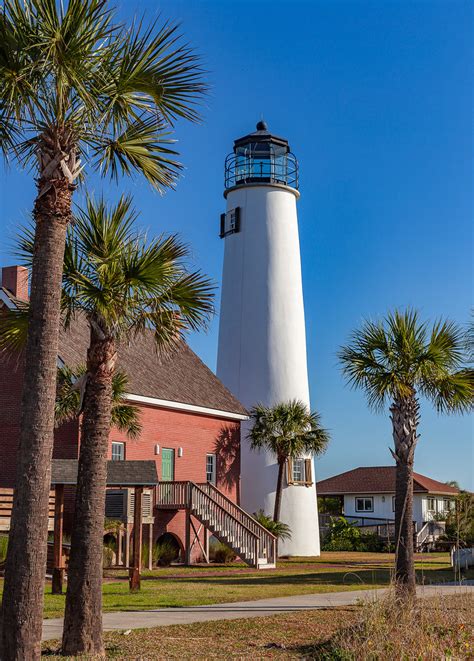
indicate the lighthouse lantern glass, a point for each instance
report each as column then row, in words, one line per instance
column 261, row 157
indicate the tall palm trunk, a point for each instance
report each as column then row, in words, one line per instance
column 405, row 417
column 22, row 607
column 279, row 488
column 83, row 615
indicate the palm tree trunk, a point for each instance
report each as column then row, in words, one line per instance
column 83, row 615
column 279, row 489
column 22, row 607
column 405, row 417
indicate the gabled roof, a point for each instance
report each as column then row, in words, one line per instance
column 377, row 479
column 181, row 377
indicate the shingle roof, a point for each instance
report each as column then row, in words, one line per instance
column 119, row 473
column 377, row 479
column 181, row 377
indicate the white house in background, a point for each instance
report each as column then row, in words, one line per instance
column 369, row 492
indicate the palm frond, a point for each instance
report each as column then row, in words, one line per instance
column 451, row 392
column 157, row 71
column 141, row 147
column 13, row 329
column 395, row 358
column 125, row 417
column 71, row 72
column 288, row 429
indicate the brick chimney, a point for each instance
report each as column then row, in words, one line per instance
column 15, row 279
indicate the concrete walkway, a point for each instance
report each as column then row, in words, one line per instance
column 160, row 617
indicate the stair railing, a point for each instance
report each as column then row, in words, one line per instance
column 267, row 540
column 253, row 543
column 205, row 500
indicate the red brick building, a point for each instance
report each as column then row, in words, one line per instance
column 190, row 421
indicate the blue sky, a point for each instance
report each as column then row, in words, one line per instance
column 376, row 101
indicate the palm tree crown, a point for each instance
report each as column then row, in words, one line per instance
column 395, row 358
column 287, row 429
column 75, row 84
column 123, row 283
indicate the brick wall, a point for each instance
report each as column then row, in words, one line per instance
column 197, row 435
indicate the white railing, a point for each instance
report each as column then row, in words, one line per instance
column 430, row 531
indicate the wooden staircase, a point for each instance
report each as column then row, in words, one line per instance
column 228, row 522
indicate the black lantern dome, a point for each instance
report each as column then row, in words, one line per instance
column 261, row 157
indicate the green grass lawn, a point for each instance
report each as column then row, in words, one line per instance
column 207, row 584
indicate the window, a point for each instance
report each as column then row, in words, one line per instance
column 431, row 502
column 364, row 504
column 211, row 468
column 300, row 471
column 448, row 504
column 393, row 503
column 230, row 222
column 118, row 451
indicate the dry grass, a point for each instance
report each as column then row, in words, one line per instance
column 430, row 630
column 274, row 637
column 390, row 630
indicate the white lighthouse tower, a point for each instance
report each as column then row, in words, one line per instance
column 262, row 340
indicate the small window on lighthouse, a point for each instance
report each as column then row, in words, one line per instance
column 298, row 470
column 230, row 222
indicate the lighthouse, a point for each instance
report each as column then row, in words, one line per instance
column 262, row 339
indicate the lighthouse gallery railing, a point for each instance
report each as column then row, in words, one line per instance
column 276, row 169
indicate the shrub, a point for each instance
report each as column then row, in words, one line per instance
column 344, row 535
column 220, row 553
column 278, row 528
column 108, row 556
column 460, row 521
column 164, row 553
column 3, row 547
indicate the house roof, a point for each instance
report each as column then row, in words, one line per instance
column 377, row 479
column 119, row 473
column 180, row 377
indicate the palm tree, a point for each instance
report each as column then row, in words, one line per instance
column 288, row 430
column 73, row 84
column 125, row 286
column 124, row 416
column 394, row 361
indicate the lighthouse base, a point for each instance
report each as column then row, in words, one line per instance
column 298, row 505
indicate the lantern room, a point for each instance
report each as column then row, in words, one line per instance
column 261, row 158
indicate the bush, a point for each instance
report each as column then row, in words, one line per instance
column 164, row 553
column 220, row 553
column 145, row 554
column 108, row 556
column 278, row 528
column 460, row 521
column 3, row 547
column 346, row 536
